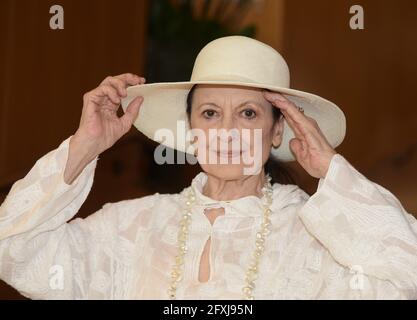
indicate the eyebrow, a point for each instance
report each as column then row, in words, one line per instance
column 240, row 105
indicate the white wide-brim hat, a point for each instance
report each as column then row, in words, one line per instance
column 234, row 60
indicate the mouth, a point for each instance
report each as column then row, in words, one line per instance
column 229, row 154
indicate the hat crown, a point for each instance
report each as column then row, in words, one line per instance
column 241, row 58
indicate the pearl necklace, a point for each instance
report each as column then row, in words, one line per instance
column 252, row 271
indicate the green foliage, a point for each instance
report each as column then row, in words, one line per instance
column 169, row 21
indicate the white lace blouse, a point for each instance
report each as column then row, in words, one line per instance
column 351, row 239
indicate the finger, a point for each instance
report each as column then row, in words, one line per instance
column 305, row 128
column 309, row 126
column 118, row 84
column 132, row 112
column 275, row 99
column 312, row 141
column 131, row 79
column 298, row 131
column 284, row 104
column 299, row 148
column 307, row 138
column 296, row 145
column 107, row 91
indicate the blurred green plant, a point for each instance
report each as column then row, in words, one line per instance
column 177, row 31
column 173, row 19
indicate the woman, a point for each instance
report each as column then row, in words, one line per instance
column 230, row 235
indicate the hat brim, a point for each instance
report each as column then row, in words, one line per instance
column 165, row 103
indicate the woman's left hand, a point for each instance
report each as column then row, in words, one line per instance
column 310, row 146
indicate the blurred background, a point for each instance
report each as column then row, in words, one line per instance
column 371, row 74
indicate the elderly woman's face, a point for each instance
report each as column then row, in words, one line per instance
column 240, row 111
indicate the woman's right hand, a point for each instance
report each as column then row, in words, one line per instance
column 100, row 127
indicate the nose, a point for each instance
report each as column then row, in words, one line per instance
column 228, row 122
column 232, row 132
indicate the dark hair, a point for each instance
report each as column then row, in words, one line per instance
column 275, row 168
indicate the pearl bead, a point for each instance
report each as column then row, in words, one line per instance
column 252, row 271
column 260, row 241
column 251, row 277
column 175, row 268
column 247, row 290
column 253, row 268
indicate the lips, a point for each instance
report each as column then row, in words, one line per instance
column 227, row 153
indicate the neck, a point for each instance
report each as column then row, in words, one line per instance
column 226, row 190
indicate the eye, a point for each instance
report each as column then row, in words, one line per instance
column 249, row 113
column 208, row 114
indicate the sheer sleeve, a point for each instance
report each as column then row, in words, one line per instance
column 44, row 255
column 366, row 230
column 41, row 255
column 42, row 199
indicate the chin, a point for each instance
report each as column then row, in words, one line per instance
column 225, row 171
